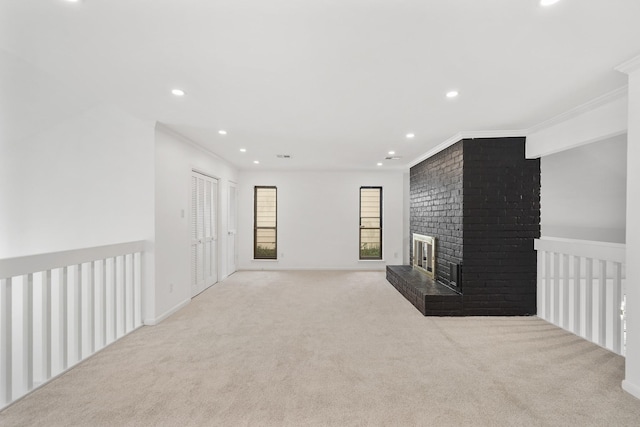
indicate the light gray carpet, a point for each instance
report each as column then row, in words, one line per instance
column 334, row 349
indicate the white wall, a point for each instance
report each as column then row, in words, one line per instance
column 631, row 382
column 406, row 227
column 73, row 173
column 318, row 214
column 84, row 181
column 175, row 158
column 583, row 192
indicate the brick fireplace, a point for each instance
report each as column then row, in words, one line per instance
column 480, row 201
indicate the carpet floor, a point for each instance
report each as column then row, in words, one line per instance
column 330, row 348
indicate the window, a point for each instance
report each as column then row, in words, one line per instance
column 370, row 222
column 265, row 222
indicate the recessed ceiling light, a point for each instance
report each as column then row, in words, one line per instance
column 452, row 94
column 256, row 162
column 178, row 92
column 222, row 132
column 410, row 135
column 243, row 150
column 392, row 153
column 548, row 2
column 73, row 1
column 379, row 163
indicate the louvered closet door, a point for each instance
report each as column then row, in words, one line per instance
column 204, row 236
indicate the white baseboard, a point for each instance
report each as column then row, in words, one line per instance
column 155, row 321
column 364, row 267
column 630, row 388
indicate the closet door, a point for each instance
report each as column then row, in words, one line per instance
column 204, row 236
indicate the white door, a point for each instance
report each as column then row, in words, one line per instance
column 232, row 254
column 204, row 236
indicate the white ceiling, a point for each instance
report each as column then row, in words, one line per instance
column 334, row 83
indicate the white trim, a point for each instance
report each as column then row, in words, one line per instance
column 629, row 66
column 631, row 388
column 12, row 267
column 468, row 135
column 207, row 174
column 604, row 118
column 559, row 149
column 171, row 132
column 580, row 109
column 438, row 148
column 592, row 249
column 351, row 268
column 166, row 314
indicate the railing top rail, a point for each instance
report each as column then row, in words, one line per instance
column 11, row 267
column 586, row 248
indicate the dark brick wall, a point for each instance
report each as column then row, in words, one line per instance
column 490, row 232
column 501, row 218
column 436, row 205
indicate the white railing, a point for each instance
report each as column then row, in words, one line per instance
column 58, row 309
column 581, row 288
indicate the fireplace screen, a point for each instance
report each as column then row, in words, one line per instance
column 424, row 254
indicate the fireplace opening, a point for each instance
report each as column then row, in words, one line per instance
column 424, row 254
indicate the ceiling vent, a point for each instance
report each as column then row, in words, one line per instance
column 283, row 156
column 392, row 158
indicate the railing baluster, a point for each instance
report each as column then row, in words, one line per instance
column 137, row 264
column 577, row 302
column 27, row 331
column 556, row 288
column 623, row 315
column 46, row 325
column 128, row 259
column 6, row 341
column 114, row 307
column 616, row 304
column 91, row 302
column 565, row 291
column 588, row 297
column 540, row 283
column 602, row 304
column 547, row 286
column 119, row 301
column 63, row 318
column 111, row 298
column 102, row 316
column 78, row 311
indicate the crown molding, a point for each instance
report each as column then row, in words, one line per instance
column 468, row 135
column 438, row 148
column 169, row 131
column 493, row 133
column 629, row 66
column 595, row 103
